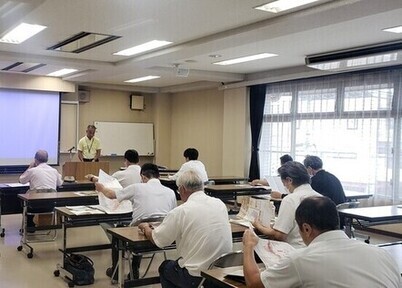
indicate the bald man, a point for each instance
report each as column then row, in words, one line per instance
column 41, row 178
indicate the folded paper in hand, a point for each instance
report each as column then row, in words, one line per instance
column 272, row 252
column 255, row 209
column 276, row 184
column 112, row 206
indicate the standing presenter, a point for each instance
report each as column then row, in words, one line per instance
column 89, row 147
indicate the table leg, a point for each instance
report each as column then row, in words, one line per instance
column 348, row 227
column 121, row 268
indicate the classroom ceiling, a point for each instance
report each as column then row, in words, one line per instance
column 198, row 29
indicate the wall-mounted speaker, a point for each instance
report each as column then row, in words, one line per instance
column 136, row 102
column 83, row 96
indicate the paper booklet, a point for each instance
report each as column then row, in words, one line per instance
column 272, row 252
column 255, row 209
column 112, row 206
column 276, row 184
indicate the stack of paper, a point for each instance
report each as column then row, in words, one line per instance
column 84, row 210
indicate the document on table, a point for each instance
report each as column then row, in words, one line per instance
column 17, row 184
column 86, row 193
column 84, row 210
column 112, row 206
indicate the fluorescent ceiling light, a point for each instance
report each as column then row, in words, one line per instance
column 145, row 78
column 397, row 29
column 282, row 5
column 21, row 33
column 245, row 59
column 62, row 72
column 142, row 48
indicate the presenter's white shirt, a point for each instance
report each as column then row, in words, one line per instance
column 286, row 221
column 130, row 175
column 201, row 229
column 42, row 176
column 334, row 260
column 148, row 199
column 194, row 165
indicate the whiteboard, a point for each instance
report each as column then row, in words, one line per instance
column 117, row 137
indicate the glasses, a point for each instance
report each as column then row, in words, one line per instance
column 178, row 190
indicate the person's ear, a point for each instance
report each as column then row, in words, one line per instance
column 306, row 228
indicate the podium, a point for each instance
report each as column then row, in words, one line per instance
column 80, row 169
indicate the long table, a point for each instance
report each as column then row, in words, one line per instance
column 51, row 200
column 231, row 191
column 218, row 180
column 11, row 204
column 71, row 220
column 373, row 215
column 217, row 277
column 130, row 238
column 354, row 195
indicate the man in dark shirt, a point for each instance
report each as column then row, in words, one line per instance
column 324, row 182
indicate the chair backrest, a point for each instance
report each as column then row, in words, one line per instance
column 228, row 260
column 345, row 205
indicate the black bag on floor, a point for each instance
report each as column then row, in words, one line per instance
column 81, row 268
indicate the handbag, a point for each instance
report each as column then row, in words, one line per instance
column 81, row 268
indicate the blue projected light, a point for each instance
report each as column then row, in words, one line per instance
column 29, row 121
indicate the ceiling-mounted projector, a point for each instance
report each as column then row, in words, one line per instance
column 181, row 71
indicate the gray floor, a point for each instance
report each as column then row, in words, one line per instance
column 16, row 270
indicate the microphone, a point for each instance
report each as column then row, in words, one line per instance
column 69, row 150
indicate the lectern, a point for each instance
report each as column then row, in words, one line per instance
column 80, row 169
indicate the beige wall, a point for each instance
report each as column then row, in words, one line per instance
column 213, row 121
column 197, row 121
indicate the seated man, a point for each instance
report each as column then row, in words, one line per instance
column 330, row 260
column 149, row 198
column 200, row 227
column 324, row 182
column 41, row 178
column 130, row 175
column 295, row 178
column 283, row 159
column 191, row 156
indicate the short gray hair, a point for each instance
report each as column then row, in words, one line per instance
column 190, row 181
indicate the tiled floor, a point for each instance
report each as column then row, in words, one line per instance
column 17, row 271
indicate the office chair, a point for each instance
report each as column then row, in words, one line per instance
column 226, row 260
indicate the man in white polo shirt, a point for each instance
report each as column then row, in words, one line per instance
column 200, row 227
column 149, row 198
column 192, row 163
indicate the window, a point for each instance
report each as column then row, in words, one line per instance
column 347, row 120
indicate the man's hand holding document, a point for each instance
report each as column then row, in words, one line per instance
column 253, row 209
column 112, row 206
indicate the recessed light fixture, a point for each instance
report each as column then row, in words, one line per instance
column 21, row 33
column 283, row 5
column 82, row 41
column 145, row 78
column 62, row 72
column 397, row 29
column 245, row 59
column 142, row 48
